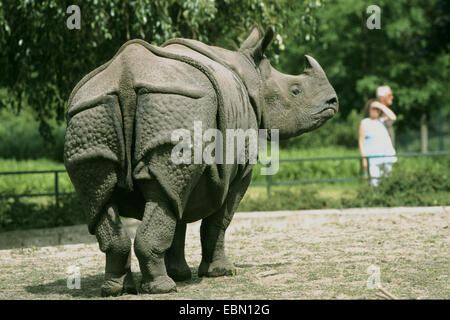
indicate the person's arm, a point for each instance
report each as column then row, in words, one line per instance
column 361, row 138
column 390, row 115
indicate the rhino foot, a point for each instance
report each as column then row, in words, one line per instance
column 179, row 273
column 217, row 268
column 161, row 284
column 116, row 285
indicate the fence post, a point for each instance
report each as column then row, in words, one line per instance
column 56, row 189
column 361, row 166
column 269, row 182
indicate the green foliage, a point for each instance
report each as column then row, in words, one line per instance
column 313, row 169
column 414, row 182
column 336, row 132
column 32, row 183
column 288, row 171
column 22, row 214
column 285, row 199
column 427, row 184
column 42, row 60
column 20, row 138
column 410, row 53
column 308, row 170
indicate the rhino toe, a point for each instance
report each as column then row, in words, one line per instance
column 117, row 285
column 162, row 284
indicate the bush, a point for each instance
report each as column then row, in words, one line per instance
column 19, row 213
column 20, row 137
column 425, row 185
column 285, row 199
column 338, row 169
column 335, row 132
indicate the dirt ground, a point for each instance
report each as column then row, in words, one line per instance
column 298, row 256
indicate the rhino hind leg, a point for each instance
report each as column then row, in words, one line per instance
column 212, row 233
column 95, row 181
column 153, row 238
column 176, row 265
column 115, row 242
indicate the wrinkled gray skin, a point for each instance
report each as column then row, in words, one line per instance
column 117, row 149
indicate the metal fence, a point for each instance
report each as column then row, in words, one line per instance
column 268, row 183
column 56, row 193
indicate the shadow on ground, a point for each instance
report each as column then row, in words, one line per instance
column 90, row 286
column 55, row 236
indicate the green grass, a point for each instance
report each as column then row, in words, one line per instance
column 298, row 197
column 33, row 164
column 326, row 169
column 43, row 183
column 414, row 182
column 32, row 183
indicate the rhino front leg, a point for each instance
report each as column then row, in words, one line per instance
column 212, row 233
column 116, row 244
column 153, row 237
column 177, row 267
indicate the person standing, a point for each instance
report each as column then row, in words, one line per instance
column 374, row 140
column 385, row 96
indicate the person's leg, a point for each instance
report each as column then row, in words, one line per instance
column 375, row 175
column 387, row 168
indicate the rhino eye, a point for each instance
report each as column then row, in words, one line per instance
column 295, row 90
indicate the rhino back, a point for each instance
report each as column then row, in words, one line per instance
column 150, row 92
column 117, row 85
column 196, row 190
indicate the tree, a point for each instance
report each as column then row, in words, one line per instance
column 410, row 53
column 42, row 60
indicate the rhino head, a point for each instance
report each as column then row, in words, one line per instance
column 293, row 104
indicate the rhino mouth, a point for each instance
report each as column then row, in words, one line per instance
column 328, row 109
column 327, row 112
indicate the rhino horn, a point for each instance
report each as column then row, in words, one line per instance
column 313, row 67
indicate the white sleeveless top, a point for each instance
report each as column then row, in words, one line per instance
column 377, row 142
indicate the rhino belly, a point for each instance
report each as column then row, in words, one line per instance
column 158, row 115
column 207, row 196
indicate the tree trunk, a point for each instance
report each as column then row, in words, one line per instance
column 424, row 133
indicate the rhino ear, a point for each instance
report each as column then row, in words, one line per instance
column 267, row 40
column 257, row 52
column 252, row 39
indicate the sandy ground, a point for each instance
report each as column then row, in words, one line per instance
column 300, row 256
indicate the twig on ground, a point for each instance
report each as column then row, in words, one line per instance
column 387, row 294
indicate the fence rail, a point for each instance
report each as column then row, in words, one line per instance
column 268, row 183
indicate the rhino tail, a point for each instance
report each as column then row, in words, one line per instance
column 128, row 102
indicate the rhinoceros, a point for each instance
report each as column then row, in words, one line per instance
column 118, row 144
